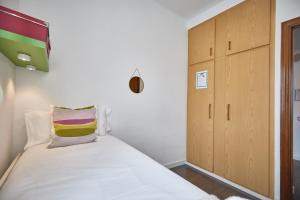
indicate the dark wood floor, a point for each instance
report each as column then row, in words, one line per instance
column 296, row 180
column 209, row 184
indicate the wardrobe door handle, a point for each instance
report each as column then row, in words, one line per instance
column 210, row 51
column 229, row 45
column 228, row 112
column 209, row 111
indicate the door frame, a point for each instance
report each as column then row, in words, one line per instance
column 286, row 109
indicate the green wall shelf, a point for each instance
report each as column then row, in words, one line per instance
column 11, row 44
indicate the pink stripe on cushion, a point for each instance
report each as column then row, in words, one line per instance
column 74, row 121
column 65, row 114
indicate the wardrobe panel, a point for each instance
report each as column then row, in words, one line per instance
column 200, row 117
column 248, row 25
column 202, row 42
column 221, row 35
column 220, row 116
column 247, row 133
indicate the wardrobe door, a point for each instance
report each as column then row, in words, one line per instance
column 220, row 117
column 200, row 115
column 202, row 42
column 247, row 110
column 221, row 37
column 248, row 25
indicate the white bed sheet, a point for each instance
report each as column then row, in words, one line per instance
column 108, row 169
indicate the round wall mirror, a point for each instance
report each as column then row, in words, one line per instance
column 136, row 84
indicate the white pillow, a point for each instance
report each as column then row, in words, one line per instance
column 108, row 112
column 38, row 127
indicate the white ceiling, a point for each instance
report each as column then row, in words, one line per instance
column 188, row 9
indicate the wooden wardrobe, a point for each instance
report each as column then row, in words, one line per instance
column 229, row 119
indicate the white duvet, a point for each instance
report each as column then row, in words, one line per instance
column 107, row 169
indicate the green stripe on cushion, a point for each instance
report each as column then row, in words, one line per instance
column 75, row 132
column 83, row 108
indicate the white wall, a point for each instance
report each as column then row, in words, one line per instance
column 285, row 10
column 7, row 85
column 13, row 4
column 96, row 46
column 296, row 111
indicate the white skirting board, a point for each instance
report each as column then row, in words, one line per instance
column 228, row 182
column 7, row 172
column 174, row 164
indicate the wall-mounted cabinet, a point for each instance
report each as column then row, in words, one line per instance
column 248, row 25
column 26, row 36
column 202, row 42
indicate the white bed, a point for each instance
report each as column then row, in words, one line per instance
column 108, row 169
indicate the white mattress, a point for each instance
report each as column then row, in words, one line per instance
column 105, row 170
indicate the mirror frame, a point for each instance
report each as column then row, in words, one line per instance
column 136, row 84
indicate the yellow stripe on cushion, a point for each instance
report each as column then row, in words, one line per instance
column 75, row 130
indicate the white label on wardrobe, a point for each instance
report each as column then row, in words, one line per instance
column 201, row 79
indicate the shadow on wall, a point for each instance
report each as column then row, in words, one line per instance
column 7, row 96
column 29, row 97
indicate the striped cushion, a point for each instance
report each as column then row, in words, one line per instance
column 73, row 126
